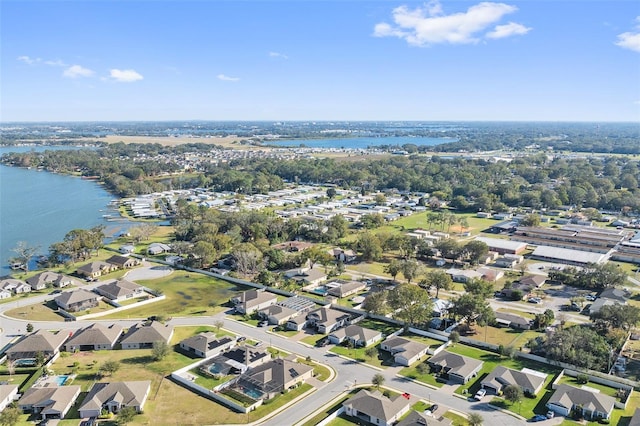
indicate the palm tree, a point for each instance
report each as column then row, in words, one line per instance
column 475, row 419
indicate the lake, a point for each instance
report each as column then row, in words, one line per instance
column 361, row 142
column 40, row 207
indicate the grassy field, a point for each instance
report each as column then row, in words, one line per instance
column 187, row 294
column 504, row 336
column 381, row 360
column 38, row 312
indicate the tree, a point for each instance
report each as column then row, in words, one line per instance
column 475, row 251
column 616, row 316
column 376, row 303
column 160, row 350
column 369, row 245
column 410, row 269
column 24, row 253
column 378, row 380
column 10, row 416
column 40, row 358
column 580, row 346
column 475, row 419
column 532, row 219
column 473, row 308
column 218, row 324
column 110, row 367
column 125, row 415
column 331, row 192
column 479, row 288
column 393, row 268
column 439, row 280
column 370, row 352
column 454, row 336
column 411, row 304
column 247, row 258
column 372, row 221
column 449, row 248
column 29, row 328
column 513, row 393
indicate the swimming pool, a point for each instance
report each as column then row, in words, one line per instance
column 253, row 393
column 321, row 290
column 25, row 362
column 61, row 380
column 215, row 368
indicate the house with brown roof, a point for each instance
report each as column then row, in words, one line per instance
column 206, row 345
column 594, row 405
column 357, row 335
column 405, row 351
column 325, row 319
column 274, row 377
column 143, row 336
column 458, row 368
column 40, row 341
column 529, row 381
column 120, row 290
column 95, row 337
column 96, row 269
column 123, row 262
column 533, row 281
column 374, row 407
column 77, row 300
column 253, row 300
column 113, row 397
column 49, row 402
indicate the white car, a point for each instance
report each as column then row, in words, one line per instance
column 481, row 393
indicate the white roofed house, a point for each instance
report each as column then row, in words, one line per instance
column 405, row 351
column 113, row 397
column 5, row 294
column 358, row 336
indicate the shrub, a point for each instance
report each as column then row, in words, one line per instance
column 582, row 379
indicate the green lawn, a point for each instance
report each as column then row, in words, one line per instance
column 424, row 377
column 187, row 294
column 432, row 343
column 38, row 312
column 384, row 327
column 504, row 335
column 102, row 307
column 381, row 360
column 456, row 419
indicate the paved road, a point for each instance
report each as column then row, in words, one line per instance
column 348, row 373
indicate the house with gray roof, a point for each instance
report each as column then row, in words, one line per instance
column 306, row 276
column 158, row 248
column 358, row 336
column 96, row 269
column 95, row 337
column 5, row 294
column 120, row 290
column 77, row 300
column 8, row 394
column 143, row 336
column 326, row 319
column 512, row 320
column 206, row 345
column 405, row 351
column 239, row 359
column 41, row 280
column 529, row 381
column 40, row 341
column 274, row 377
column 375, row 408
column 594, row 405
column 114, row 396
column 458, row 368
column 277, row 314
column 415, row 418
column 296, row 323
column 345, row 288
column 15, row 285
column 253, row 300
column 49, row 402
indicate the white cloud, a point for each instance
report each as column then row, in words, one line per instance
column 278, row 55
column 508, row 30
column 56, row 63
column 630, row 40
column 227, row 78
column 125, row 76
column 28, row 60
column 75, row 71
column 428, row 25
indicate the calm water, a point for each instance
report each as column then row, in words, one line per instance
column 40, row 208
column 361, row 143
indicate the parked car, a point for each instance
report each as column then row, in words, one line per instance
column 241, row 339
column 58, row 291
column 480, row 394
column 534, row 300
column 538, row 418
column 591, row 297
column 433, row 409
column 550, row 414
column 263, row 323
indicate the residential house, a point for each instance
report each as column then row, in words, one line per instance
column 609, row 297
column 206, row 345
column 253, row 300
column 594, row 405
column 123, row 262
column 240, row 359
column 120, row 290
column 127, row 249
column 77, row 300
column 512, row 320
column 40, row 341
column 342, row 255
column 95, row 337
column 529, row 381
column 49, row 402
column 277, row 314
column 5, row 294
column 113, row 397
column 415, row 418
column 275, row 376
column 95, row 269
column 505, row 262
column 358, row 336
column 326, row 319
column 306, row 276
column 345, row 289
column 458, row 368
column 533, row 281
column 463, row 275
column 44, row 279
column 143, row 336
column 490, row 274
column 296, row 323
column 441, row 307
column 155, row 249
column 8, row 394
column 405, row 351
column 14, row 285
column 375, row 408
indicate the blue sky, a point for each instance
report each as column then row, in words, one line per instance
column 320, row 60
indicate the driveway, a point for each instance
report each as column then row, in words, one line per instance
column 148, row 272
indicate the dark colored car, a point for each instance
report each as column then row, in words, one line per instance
column 538, row 418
